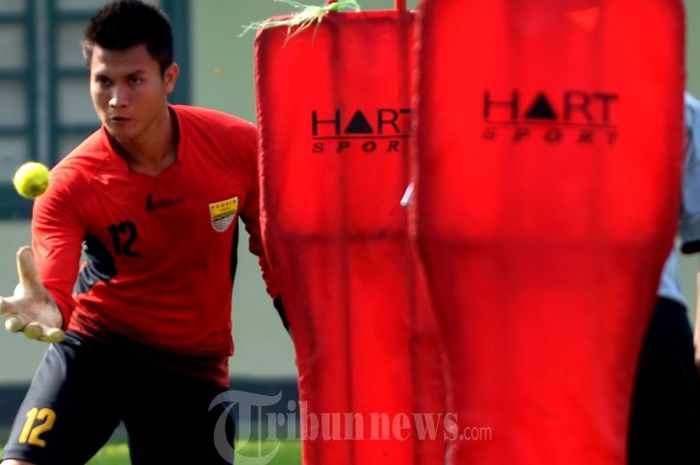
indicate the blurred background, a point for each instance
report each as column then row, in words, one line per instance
column 45, row 110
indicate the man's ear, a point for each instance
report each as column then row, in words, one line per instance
column 170, row 77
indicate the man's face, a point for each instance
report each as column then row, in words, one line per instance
column 128, row 90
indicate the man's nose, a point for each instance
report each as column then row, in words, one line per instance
column 120, row 96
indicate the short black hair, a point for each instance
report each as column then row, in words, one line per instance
column 122, row 24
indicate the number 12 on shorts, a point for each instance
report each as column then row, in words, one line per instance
column 31, row 433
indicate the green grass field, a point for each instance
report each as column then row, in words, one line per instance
column 289, row 453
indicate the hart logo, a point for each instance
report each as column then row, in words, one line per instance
column 381, row 130
column 576, row 116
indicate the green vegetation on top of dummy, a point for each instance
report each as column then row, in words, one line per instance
column 304, row 17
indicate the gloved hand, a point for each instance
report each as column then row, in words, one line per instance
column 31, row 309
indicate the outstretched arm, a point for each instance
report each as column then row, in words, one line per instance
column 43, row 302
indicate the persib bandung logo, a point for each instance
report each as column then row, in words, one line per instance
column 381, row 130
column 581, row 117
column 223, row 213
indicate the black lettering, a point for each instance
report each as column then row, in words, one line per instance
column 116, row 239
column 585, row 137
column 318, row 147
column 153, row 205
column 369, row 146
column 393, row 146
column 511, row 104
column 606, row 101
column 359, row 124
column 576, row 101
column 553, row 135
column 393, row 117
column 489, row 134
column 123, row 237
column 541, row 109
column 520, row 134
column 315, row 122
column 342, row 145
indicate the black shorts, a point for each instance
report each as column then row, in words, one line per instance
column 665, row 417
column 83, row 389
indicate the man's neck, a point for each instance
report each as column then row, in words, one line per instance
column 154, row 150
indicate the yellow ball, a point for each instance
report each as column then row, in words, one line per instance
column 31, row 179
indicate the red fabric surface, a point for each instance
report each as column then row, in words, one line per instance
column 543, row 223
column 334, row 119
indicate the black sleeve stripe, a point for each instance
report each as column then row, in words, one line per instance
column 99, row 265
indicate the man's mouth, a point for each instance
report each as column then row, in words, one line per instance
column 118, row 120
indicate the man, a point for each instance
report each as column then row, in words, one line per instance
column 153, row 196
column 665, row 420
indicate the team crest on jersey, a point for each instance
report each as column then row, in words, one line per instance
column 223, row 213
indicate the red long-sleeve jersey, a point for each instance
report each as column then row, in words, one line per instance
column 160, row 250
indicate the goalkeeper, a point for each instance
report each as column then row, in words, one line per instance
column 153, row 199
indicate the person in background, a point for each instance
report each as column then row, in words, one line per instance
column 665, row 418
